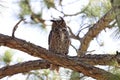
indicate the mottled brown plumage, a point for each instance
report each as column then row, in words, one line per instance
column 58, row 39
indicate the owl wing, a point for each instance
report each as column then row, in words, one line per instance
column 49, row 38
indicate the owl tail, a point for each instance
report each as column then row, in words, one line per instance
column 54, row 67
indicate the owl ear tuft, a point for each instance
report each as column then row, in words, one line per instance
column 61, row 18
column 52, row 20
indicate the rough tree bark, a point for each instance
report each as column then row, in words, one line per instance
column 69, row 62
column 106, row 59
column 23, row 67
column 53, row 58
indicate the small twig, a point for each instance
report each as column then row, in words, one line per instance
column 83, row 29
column 64, row 14
column 15, row 27
column 84, row 52
column 70, row 31
column 90, row 51
column 113, row 24
column 73, row 35
column 74, row 47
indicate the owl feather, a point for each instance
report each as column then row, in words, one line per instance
column 59, row 40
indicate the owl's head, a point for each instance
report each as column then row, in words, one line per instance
column 58, row 23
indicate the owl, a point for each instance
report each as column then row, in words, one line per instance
column 59, row 40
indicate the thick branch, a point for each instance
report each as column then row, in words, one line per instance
column 99, row 59
column 38, row 51
column 42, row 64
column 95, row 30
column 23, row 67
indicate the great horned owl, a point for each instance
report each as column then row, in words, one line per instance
column 59, row 40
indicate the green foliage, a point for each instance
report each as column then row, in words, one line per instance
column 44, row 74
column 49, row 3
column 7, row 57
column 96, row 8
column 116, row 71
column 75, row 76
column 106, row 5
column 25, row 9
column 114, row 63
column 115, row 5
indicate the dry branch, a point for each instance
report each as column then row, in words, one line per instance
column 15, row 27
column 53, row 58
column 95, row 30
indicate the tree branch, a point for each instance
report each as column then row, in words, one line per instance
column 72, row 35
column 104, row 59
column 95, row 30
column 23, row 67
column 53, row 58
column 15, row 27
column 99, row 59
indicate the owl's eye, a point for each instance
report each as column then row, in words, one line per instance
column 56, row 29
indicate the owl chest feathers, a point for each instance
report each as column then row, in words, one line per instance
column 62, row 35
column 59, row 41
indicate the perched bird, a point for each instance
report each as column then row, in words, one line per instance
column 59, row 40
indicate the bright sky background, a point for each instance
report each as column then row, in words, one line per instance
column 39, row 37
